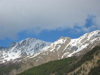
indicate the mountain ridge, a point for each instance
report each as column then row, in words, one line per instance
column 83, row 65
column 25, row 47
column 64, row 47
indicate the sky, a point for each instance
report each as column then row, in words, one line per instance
column 47, row 20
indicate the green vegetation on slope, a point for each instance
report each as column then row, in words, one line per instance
column 57, row 67
column 87, row 57
column 95, row 70
column 63, row 66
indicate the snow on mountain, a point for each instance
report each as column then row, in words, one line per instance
column 39, row 52
column 23, row 48
column 32, row 52
column 66, row 47
column 76, row 45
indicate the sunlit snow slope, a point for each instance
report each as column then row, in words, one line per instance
column 23, row 48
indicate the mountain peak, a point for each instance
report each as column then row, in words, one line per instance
column 37, row 52
column 22, row 48
column 63, row 47
column 64, row 37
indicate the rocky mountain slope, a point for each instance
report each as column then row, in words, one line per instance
column 62, row 48
column 88, row 64
column 23, row 48
column 66, row 47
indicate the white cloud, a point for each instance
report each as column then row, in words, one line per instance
column 38, row 15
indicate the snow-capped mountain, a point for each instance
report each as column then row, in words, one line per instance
column 23, row 48
column 66, row 47
column 62, row 48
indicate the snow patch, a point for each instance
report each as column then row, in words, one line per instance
column 81, row 48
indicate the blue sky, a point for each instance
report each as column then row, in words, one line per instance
column 49, row 36
column 47, row 20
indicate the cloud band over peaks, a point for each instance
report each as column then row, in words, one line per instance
column 38, row 15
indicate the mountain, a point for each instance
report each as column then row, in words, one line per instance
column 64, row 47
column 88, row 64
column 90, row 61
column 20, row 49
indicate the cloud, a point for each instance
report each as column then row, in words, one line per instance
column 38, row 15
column 91, row 24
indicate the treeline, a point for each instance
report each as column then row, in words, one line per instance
column 57, row 67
